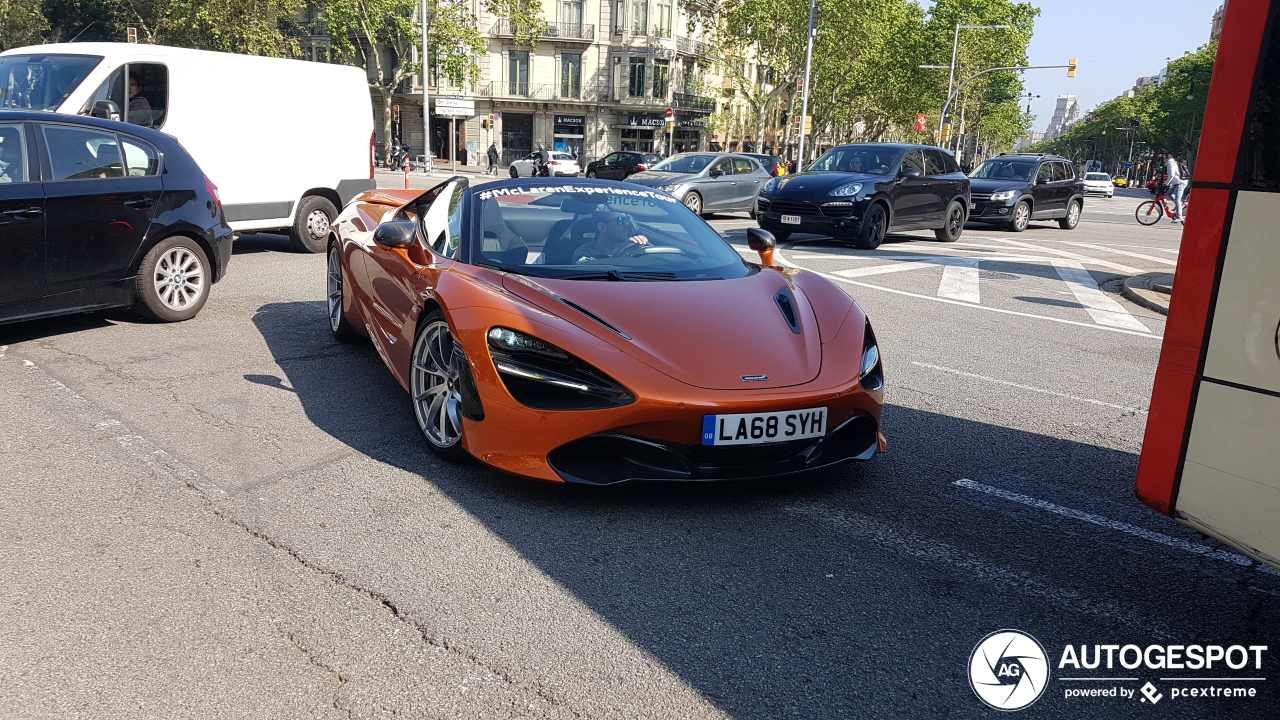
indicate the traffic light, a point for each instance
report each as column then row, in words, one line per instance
column 395, row 113
column 1071, row 67
column 484, row 123
column 808, row 125
column 131, row 35
column 946, row 133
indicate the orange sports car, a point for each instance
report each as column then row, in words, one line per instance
column 599, row 332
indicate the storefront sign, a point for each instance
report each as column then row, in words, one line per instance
column 571, row 120
column 692, row 121
column 646, row 120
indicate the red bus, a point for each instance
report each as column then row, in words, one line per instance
column 1211, row 454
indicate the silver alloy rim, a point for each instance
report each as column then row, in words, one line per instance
column 435, row 382
column 1073, row 215
column 318, row 224
column 1021, row 215
column 693, row 202
column 335, row 288
column 179, row 278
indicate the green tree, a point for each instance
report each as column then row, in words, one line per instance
column 21, row 23
column 243, row 26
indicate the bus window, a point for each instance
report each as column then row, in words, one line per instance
column 148, row 91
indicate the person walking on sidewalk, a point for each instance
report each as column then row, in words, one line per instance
column 1176, row 184
column 493, row 159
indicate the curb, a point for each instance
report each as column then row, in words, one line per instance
column 1151, row 291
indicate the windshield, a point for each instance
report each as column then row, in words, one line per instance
column 561, row 156
column 1097, row 176
column 870, row 159
column 1004, row 170
column 41, row 82
column 684, row 163
column 594, row 232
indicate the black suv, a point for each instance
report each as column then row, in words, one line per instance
column 621, row 165
column 1012, row 189
column 855, row 193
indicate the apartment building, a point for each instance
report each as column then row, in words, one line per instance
column 598, row 79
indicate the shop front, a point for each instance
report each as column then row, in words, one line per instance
column 642, row 133
column 690, row 132
column 568, row 133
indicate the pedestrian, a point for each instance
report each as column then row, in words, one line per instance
column 493, row 158
column 1173, row 170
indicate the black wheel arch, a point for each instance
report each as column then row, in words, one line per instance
column 191, row 233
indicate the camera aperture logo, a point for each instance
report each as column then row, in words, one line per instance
column 1008, row 670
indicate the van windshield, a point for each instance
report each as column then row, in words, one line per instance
column 41, row 82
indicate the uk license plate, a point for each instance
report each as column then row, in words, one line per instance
column 755, row 428
column 791, row 219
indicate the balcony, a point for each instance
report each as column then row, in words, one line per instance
column 692, row 103
column 622, row 94
column 545, row 91
column 689, row 46
column 554, row 30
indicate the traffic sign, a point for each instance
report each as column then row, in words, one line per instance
column 921, row 122
column 670, row 114
column 1128, row 166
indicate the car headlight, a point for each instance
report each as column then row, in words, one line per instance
column 668, row 188
column 542, row 376
column 1004, row 195
column 846, row 190
column 771, row 185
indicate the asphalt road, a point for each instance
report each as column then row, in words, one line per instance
column 234, row 516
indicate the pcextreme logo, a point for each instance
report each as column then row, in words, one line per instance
column 1008, row 670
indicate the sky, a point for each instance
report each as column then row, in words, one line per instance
column 1116, row 41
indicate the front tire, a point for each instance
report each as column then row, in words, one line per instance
column 955, row 218
column 173, row 281
column 591, row 174
column 693, row 201
column 872, row 230
column 311, row 225
column 338, row 325
column 1073, row 216
column 435, row 387
column 1149, row 212
column 1021, row 216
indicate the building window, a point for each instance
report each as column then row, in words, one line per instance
column 619, row 16
column 661, row 78
column 518, row 73
column 639, row 17
column 571, row 14
column 663, row 28
column 635, row 80
column 571, row 76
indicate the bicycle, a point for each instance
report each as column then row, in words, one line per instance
column 1150, row 211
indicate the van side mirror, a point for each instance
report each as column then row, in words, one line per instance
column 763, row 242
column 105, row 109
column 395, row 234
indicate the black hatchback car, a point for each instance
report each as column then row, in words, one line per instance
column 1012, row 189
column 621, row 165
column 97, row 214
column 856, row 193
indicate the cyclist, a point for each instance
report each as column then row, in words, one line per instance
column 1174, row 175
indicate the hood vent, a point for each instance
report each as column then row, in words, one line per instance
column 787, row 305
column 593, row 316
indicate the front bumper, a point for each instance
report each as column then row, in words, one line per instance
column 820, row 219
column 986, row 211
column 613, row 458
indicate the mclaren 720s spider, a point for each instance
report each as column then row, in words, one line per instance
column 598, row 332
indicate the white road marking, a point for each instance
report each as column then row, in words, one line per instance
column 1020, row 386
column 1127, row 270
column 784, row 261
column 1101, row 308
column 1201, row 550
column 1164, row 261
column 960, row 280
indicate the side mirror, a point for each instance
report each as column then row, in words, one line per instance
column 763, row 242
column 909, row 172
column 715, row 173
column 105, row 109
column 1042, row 180
column 395, row 234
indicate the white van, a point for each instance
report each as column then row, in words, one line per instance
column 287, row 142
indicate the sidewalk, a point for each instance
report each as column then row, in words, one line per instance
column 419, row 180
column 1150, row 290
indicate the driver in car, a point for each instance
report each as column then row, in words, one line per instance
column 616, row 236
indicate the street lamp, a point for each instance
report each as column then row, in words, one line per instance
column 951, row 77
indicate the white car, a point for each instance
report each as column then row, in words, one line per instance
column 561, row 163
column 1096, row 183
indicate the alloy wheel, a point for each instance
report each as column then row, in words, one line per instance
column 335, row 288
column 435, row 382
column 1021, row 215
column 693, row 202
column 956, row 222
column 1073, row 215
column 179, row 278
